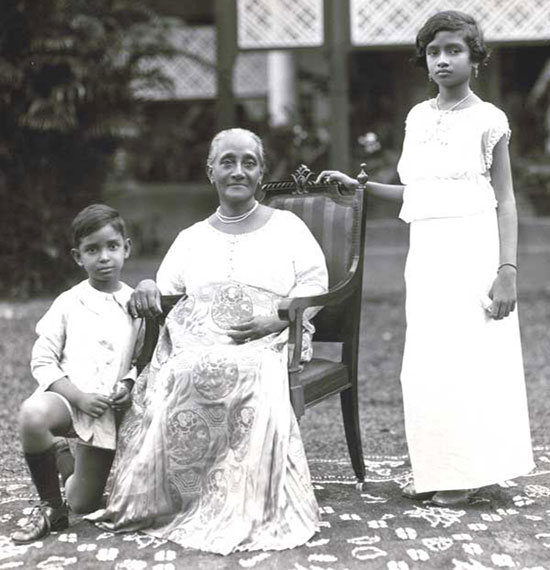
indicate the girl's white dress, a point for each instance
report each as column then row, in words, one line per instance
column 463, row 384
column 210, row 453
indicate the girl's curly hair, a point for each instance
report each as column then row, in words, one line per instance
column 451, row 21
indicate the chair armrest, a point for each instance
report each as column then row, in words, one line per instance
column 152, row 327
column 344, row 289
column 292, row 310
column 167, row 302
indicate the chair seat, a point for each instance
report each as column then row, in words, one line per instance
column 321, row 378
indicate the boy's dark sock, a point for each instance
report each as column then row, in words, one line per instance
column 45, row 476
column 64, row 459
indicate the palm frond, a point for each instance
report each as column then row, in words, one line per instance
column 113, row 127
column 48, row 115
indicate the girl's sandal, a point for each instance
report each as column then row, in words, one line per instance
column 453, row 498
column 409, row 492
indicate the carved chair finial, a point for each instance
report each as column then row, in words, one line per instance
column 302, row 177
column 363, row 176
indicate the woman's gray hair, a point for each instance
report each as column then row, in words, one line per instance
column 237, row 131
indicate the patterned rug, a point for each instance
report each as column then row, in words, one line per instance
column 506, row 526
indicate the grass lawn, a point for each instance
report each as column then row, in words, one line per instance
column 380, row 398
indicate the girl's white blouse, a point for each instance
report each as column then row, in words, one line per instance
column 446, row 160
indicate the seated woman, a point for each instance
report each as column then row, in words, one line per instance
column 211, row 455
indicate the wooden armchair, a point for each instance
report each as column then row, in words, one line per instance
column 336, row 217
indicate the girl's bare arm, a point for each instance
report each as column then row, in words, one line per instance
column 387, row 191
column 504, row 289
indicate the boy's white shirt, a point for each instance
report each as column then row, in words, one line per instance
column 88, row 336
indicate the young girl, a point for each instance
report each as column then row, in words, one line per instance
column 462, row 376
column 82, row 361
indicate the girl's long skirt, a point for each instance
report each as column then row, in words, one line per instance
column 465, row 403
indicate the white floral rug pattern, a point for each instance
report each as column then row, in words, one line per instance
column 506, row 526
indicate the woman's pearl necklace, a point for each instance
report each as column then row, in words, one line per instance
column 235, row 219
column 454, row 106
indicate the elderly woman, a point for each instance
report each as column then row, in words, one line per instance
column 211, row 452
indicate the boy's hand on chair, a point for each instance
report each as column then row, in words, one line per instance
column 94, row 405
column 503, row 294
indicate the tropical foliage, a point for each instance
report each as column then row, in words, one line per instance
column 69, row 74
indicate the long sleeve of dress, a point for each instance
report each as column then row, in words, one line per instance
column 309, row 264
column 170, row 275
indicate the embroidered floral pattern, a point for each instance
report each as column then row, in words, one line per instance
column 189, row 437
column 215, row 494
column 232, row 305
column 215, row 375
column 240, row 423
column 182, row 310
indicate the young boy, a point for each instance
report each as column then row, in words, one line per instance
column 83, row 363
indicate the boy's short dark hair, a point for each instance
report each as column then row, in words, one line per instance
column 451, row 21
column 93, row 218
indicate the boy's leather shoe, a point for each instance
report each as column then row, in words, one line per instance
column 42, row 520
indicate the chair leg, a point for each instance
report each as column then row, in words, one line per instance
column 350, row 413
column 297, row 397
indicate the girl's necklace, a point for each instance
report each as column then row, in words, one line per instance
column 235, row 219
column 454, row 106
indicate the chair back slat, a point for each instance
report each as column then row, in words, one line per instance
column 332, row 225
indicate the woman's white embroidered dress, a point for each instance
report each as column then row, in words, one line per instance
column 463, row 383
column 212, row 457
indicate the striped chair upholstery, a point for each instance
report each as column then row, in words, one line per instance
column 336, row 218
column 330, row 221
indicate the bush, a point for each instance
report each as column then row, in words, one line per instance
column 532, row 178
column 68, row 73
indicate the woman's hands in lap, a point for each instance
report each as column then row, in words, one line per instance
column 255, row 328
column 145, row 300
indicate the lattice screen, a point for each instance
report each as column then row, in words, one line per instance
column 279, row 23
column 194, row 72
column 396, row 22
